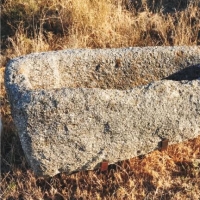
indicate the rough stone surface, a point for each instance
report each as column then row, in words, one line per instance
column 75, row 108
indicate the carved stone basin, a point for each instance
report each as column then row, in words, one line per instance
column 75, row 108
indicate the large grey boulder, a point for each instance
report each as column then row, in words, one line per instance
column 75, row 108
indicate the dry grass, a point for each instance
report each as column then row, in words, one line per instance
column 34, row 26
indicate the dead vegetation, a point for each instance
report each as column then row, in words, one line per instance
column 34, row 26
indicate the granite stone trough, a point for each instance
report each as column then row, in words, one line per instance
column 74, row 109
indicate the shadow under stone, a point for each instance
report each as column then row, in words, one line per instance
column 189, row 73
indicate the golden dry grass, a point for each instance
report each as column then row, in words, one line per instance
column 34, row 26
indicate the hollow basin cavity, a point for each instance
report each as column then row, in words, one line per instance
column 105, row 68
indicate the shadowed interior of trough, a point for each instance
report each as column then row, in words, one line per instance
column 189, row 73
column 115, row 75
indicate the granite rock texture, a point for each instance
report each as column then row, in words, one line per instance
column 75, row 108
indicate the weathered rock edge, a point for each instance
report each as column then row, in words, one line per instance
column 68, row 121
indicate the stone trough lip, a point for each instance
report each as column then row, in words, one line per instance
column 25, row 83
column 73, row 100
